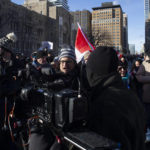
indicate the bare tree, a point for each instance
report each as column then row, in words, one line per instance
column 101, row 38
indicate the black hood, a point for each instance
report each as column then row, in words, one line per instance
column 102, row 65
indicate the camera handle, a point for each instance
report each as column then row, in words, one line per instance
column 79, row 88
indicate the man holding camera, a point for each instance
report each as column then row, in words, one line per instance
column 115, row 112
column 42, row 137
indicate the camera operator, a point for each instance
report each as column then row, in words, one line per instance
column 115, row 112
column 42, row 138
column 9, row 85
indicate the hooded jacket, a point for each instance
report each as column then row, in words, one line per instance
column 115, row 112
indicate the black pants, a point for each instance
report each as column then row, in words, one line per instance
column 147, row 110
column 5, row 138
column 41, row 138
column 6, row 142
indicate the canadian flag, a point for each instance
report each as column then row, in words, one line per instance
column 82, row 45
column 118, row 54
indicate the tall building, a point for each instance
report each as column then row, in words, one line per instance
column 84, row 19
column 125, row 33
column 30, row 27
column 35, row 22
column 132, row 49
column 60, row 3
column 147, row 34
column 107, row 26
column 64, row 20
column 146, row 9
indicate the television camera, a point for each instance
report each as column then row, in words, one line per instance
column 65, row 112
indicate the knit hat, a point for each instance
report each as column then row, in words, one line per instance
column 40, row 54
column 7, row 42
column 67, row 52
column 103, row 61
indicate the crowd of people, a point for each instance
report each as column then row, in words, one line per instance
column 118, row 94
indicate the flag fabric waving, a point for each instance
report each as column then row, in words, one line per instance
column 118, row 54
column 82, row 45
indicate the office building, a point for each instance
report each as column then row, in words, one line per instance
column 84, row 19
column 107, row 26
column 35, row 22
column 132, row 49
column 146, row 9
column 64, row 20
column 60, row 3
column 125, row 33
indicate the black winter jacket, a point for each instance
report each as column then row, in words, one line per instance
column 116, row 113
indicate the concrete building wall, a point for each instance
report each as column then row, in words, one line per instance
column 30, row 27
column 35, row 22
column 64, row 22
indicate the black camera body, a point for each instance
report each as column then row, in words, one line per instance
column 61, row 109
column 70, row 109
column 66, row 113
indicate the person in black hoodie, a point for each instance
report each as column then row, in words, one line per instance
column 115, row 112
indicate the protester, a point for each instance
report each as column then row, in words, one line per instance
column 50, row 56
column 124, row 75
column 68, row 74
column 115, row 112
column 55, row 63
column 41, row 137
column 143, row 76
column 123, row 62
column 135, row 85
column 86, row 56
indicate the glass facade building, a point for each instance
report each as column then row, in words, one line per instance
column 60, row 3
column 146, row 9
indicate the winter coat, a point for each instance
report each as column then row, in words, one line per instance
column 134, row 84
column 62, row 81
column 143, row 76
column 116, row 113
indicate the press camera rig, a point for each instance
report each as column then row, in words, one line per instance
column 66, row 112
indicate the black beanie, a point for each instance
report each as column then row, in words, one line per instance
column 103, row 61
column 40, row 54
